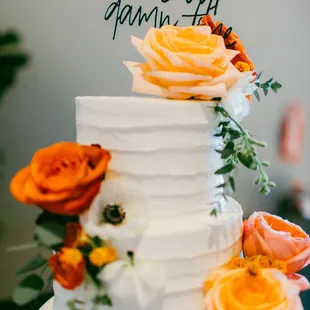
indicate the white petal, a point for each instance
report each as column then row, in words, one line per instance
column 142, row 292
column 112, row 271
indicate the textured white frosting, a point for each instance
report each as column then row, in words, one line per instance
column 165, row 149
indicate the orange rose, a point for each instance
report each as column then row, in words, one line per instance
column 232, row 41
column 251, row 288
column 75, row 235
column 63, row 178
column 270, row 235
column 68, row 267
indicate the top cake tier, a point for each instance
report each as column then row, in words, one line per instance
column 163, row 147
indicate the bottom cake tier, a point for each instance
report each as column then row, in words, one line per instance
column 187, row 247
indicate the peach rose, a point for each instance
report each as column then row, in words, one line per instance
column 183, row 63
column 68, row 267
column 63, row 178
column 251, row 288
column 270, row 235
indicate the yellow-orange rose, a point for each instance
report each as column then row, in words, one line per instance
column 183, row 63
column 63, row 178
column 244, row 289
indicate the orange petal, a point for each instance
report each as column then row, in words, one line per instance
column 74, row 206
column 38, row 196
column 17, row 185
column 43, row 161
column 98, row 160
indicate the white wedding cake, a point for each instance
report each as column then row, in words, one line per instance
column 135, row 210
column 166, row 150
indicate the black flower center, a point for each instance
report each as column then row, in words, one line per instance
column 113, row 214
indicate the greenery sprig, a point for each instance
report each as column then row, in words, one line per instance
column 266, row 86
column 241, row 147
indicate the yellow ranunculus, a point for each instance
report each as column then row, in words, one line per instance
column 252, row 289
column 101, row 256
column 183, row 63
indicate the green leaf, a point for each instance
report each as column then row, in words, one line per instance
column 50, row 233
column 51, row 229
column 104, row 300
column 35, row 263
column 221, row 134
column 257, row 95
column 269, row 81
column 234, row 134
column 232, row 183
column 266, row 163
column 28, row 289
column 265, row 89
column 259, row 75
column 228, row 150
column 213, row 213
column 272, row 184
column 275, row 86
column 221, row 185
column 247, row 160
column 224, row 124
column 257, row 180
column 226, row 169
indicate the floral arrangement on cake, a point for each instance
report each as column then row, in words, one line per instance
column 207, row 63
column 80, row 226
column 266, row 277
column 86, row 211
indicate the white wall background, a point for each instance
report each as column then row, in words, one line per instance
column 73, row 54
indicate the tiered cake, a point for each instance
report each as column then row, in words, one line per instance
column 166, row 150
column 135, row 210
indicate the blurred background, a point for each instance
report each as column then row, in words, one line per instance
column 68, row 50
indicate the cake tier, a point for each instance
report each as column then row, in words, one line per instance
column 164, row 148
column 187, row 247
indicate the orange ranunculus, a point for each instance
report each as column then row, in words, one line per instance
column 75, row 236
column 251, row 288
column 270, row 235
column 232, row 41
column 63, row 178
column 68, row 267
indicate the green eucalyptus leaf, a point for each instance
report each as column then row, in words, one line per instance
column 35, row 263
column 247, row 160
column 259, row 75
column 222, row 185
column 256, row 94
column 257, row 180
column 213, row 213
column 28, row 290
column 232, row 183
column 104, row 300
column 226, row 169
column 234, row 134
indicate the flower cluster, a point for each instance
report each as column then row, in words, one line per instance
column 84, row 213
column 265, row 278
column 205, row 63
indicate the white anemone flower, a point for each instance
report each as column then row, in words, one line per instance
column 236, row 102
column 141, row 280
column 116, row 213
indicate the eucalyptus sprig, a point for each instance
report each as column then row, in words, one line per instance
column 266, row 86
column 241, row 147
